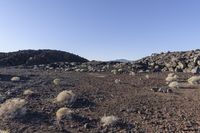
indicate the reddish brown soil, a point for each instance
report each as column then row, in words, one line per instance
column 139, row 108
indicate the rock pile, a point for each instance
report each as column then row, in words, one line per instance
column 188, row 61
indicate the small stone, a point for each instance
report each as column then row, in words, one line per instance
column 2, row 98
column 155, row 89
column 86, row 126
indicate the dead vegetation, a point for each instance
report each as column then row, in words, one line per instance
column 12, row 108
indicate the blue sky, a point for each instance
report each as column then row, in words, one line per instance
column 100, row 29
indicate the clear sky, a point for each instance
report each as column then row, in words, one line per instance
column 100, row 29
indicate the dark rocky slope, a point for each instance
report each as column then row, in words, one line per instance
column 36, row 57
column 185, row 61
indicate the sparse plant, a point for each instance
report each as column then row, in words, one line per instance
column 171, row 77
column 66, row 97
column 12, row 108
column 56, row 81
column 117, row 81
column 114, row 72
column 63, row 113
column 147, row 76
column 174, row 84
column 194, row 80
column 28, row 92
column 109, row 120
column 15, row 79
column 131, row 73
column 4, row 131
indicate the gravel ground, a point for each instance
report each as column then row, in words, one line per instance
column 139, row 108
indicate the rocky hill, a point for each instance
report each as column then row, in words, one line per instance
column 36, row 57
column 185, row 61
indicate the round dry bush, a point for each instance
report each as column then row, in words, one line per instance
column 4, row 131
column 66, row 97
column 28, row 92
column 117, row 81
column 147, row 76
column 12, row 108
column 56, row 81
column 64, row 113
column 174, row 84
column 15, row 79
column 170, row 79
column 194, row 80
column 171, row 75
column 109, row 120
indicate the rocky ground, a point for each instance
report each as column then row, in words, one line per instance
column 135, row 93
column 128, row 97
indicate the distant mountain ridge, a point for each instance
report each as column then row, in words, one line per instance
column 122, row 60
column 35, row 57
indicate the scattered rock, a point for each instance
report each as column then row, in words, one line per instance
column 2, row 98
column 155, row 89
column 162, row 89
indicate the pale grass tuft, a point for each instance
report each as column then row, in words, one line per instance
column 15, row 79
column 109, row 120
column 12, row 108
column 174, row 84
column 117, row 81
column 194, row 80
column 56, row 81
column 4, row 131
column 114, row 72
column 66, row 97
column 28, row 92
column 171, row 77
column 64, row 113
column 147, row 76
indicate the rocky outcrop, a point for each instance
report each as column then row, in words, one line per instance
column 188, row 61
